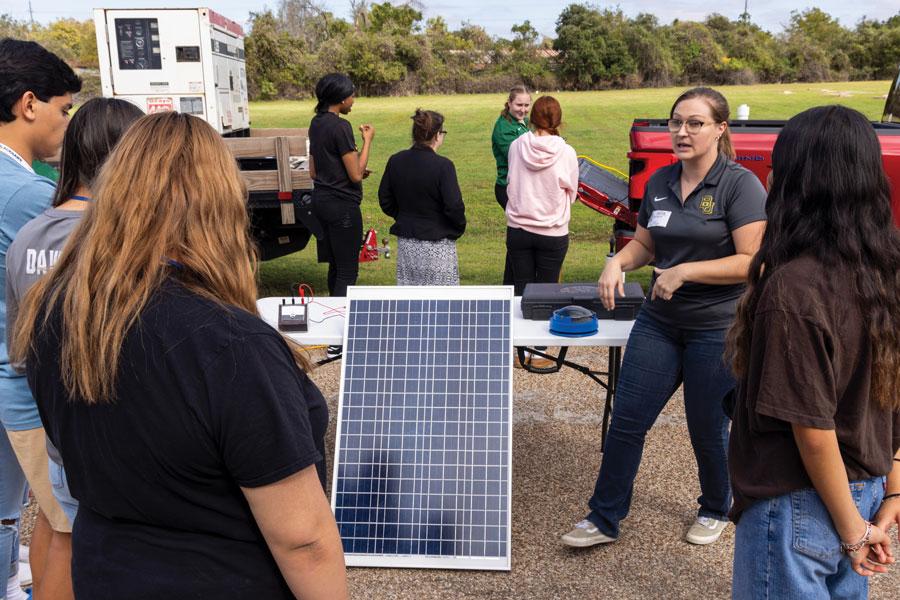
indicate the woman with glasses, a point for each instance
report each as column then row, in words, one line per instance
column 420, row 191
column 700, row 223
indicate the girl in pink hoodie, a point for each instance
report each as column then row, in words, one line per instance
column 543, row 179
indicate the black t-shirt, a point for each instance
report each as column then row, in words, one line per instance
column 330, row 138
column 810, row 363
column 207, row 399
column 729, row 197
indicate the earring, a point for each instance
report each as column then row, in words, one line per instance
column 717, row 138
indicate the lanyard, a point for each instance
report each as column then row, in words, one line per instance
column 15, row 156
column 80, row 198
column 174, row 263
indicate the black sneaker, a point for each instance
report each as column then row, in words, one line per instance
column 332, row 352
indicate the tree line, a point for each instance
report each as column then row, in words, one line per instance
column 392, row 50
column 72, row 40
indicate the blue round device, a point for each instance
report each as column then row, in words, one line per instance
column 573, row 321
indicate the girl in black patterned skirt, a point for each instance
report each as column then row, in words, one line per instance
column 420, row 191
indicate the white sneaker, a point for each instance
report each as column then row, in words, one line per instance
column 705, row 530
column 13, row 590
column 586, row 534
column 25, row 578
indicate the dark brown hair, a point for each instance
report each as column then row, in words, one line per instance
column 718, row 106
column 546, row 114
column 90, row 137
column 426, row 125
column 29, row 67
column 830, row 199
column 516, row 90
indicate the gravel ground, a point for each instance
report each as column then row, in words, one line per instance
column 556, row 455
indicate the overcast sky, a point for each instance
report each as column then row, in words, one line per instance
column 496, row 17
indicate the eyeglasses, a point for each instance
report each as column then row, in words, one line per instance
column 691, row 125
column 443, row 131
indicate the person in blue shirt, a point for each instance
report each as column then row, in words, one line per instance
column 36, row 90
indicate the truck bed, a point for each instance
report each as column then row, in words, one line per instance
column 651, row 148
column 271, row 183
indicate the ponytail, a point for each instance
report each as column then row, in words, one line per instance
column 725, row 145
column 546, row 115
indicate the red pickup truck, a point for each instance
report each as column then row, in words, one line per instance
column 651, row 148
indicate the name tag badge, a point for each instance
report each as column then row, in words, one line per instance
column 659, row 218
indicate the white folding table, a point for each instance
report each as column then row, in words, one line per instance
column 326, row 327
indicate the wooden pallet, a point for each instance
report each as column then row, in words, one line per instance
column 266, row 143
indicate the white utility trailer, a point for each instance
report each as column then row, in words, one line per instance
column 186, row 59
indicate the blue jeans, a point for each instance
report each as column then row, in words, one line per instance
column 786, row 547
column 12, row 490
column 657, row 359
column 61, row 490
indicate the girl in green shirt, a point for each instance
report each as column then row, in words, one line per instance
column 512, row 122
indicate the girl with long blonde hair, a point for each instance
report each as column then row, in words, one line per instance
column 192, row 440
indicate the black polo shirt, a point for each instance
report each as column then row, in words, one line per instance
column 729, row 197
column 330, row 138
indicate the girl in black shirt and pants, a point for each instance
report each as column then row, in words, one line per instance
column 337, row 171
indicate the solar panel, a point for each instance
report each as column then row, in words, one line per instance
column 424, row 444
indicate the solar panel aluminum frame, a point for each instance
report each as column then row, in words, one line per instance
column 369, row 293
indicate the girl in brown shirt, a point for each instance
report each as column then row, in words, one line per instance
column 816, row 430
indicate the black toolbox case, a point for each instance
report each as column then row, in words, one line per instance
column 539, row 300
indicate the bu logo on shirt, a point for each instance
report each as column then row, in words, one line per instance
column 707, row 204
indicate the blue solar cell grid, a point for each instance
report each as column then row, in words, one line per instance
column 423, row 448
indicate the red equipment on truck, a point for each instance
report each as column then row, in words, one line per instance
column 605, row 190
column 651, row 148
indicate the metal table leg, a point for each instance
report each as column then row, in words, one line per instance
column 614, row 364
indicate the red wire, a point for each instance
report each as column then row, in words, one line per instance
column 309, row 290
column 336, row 310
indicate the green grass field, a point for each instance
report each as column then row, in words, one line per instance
column 595, row 123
